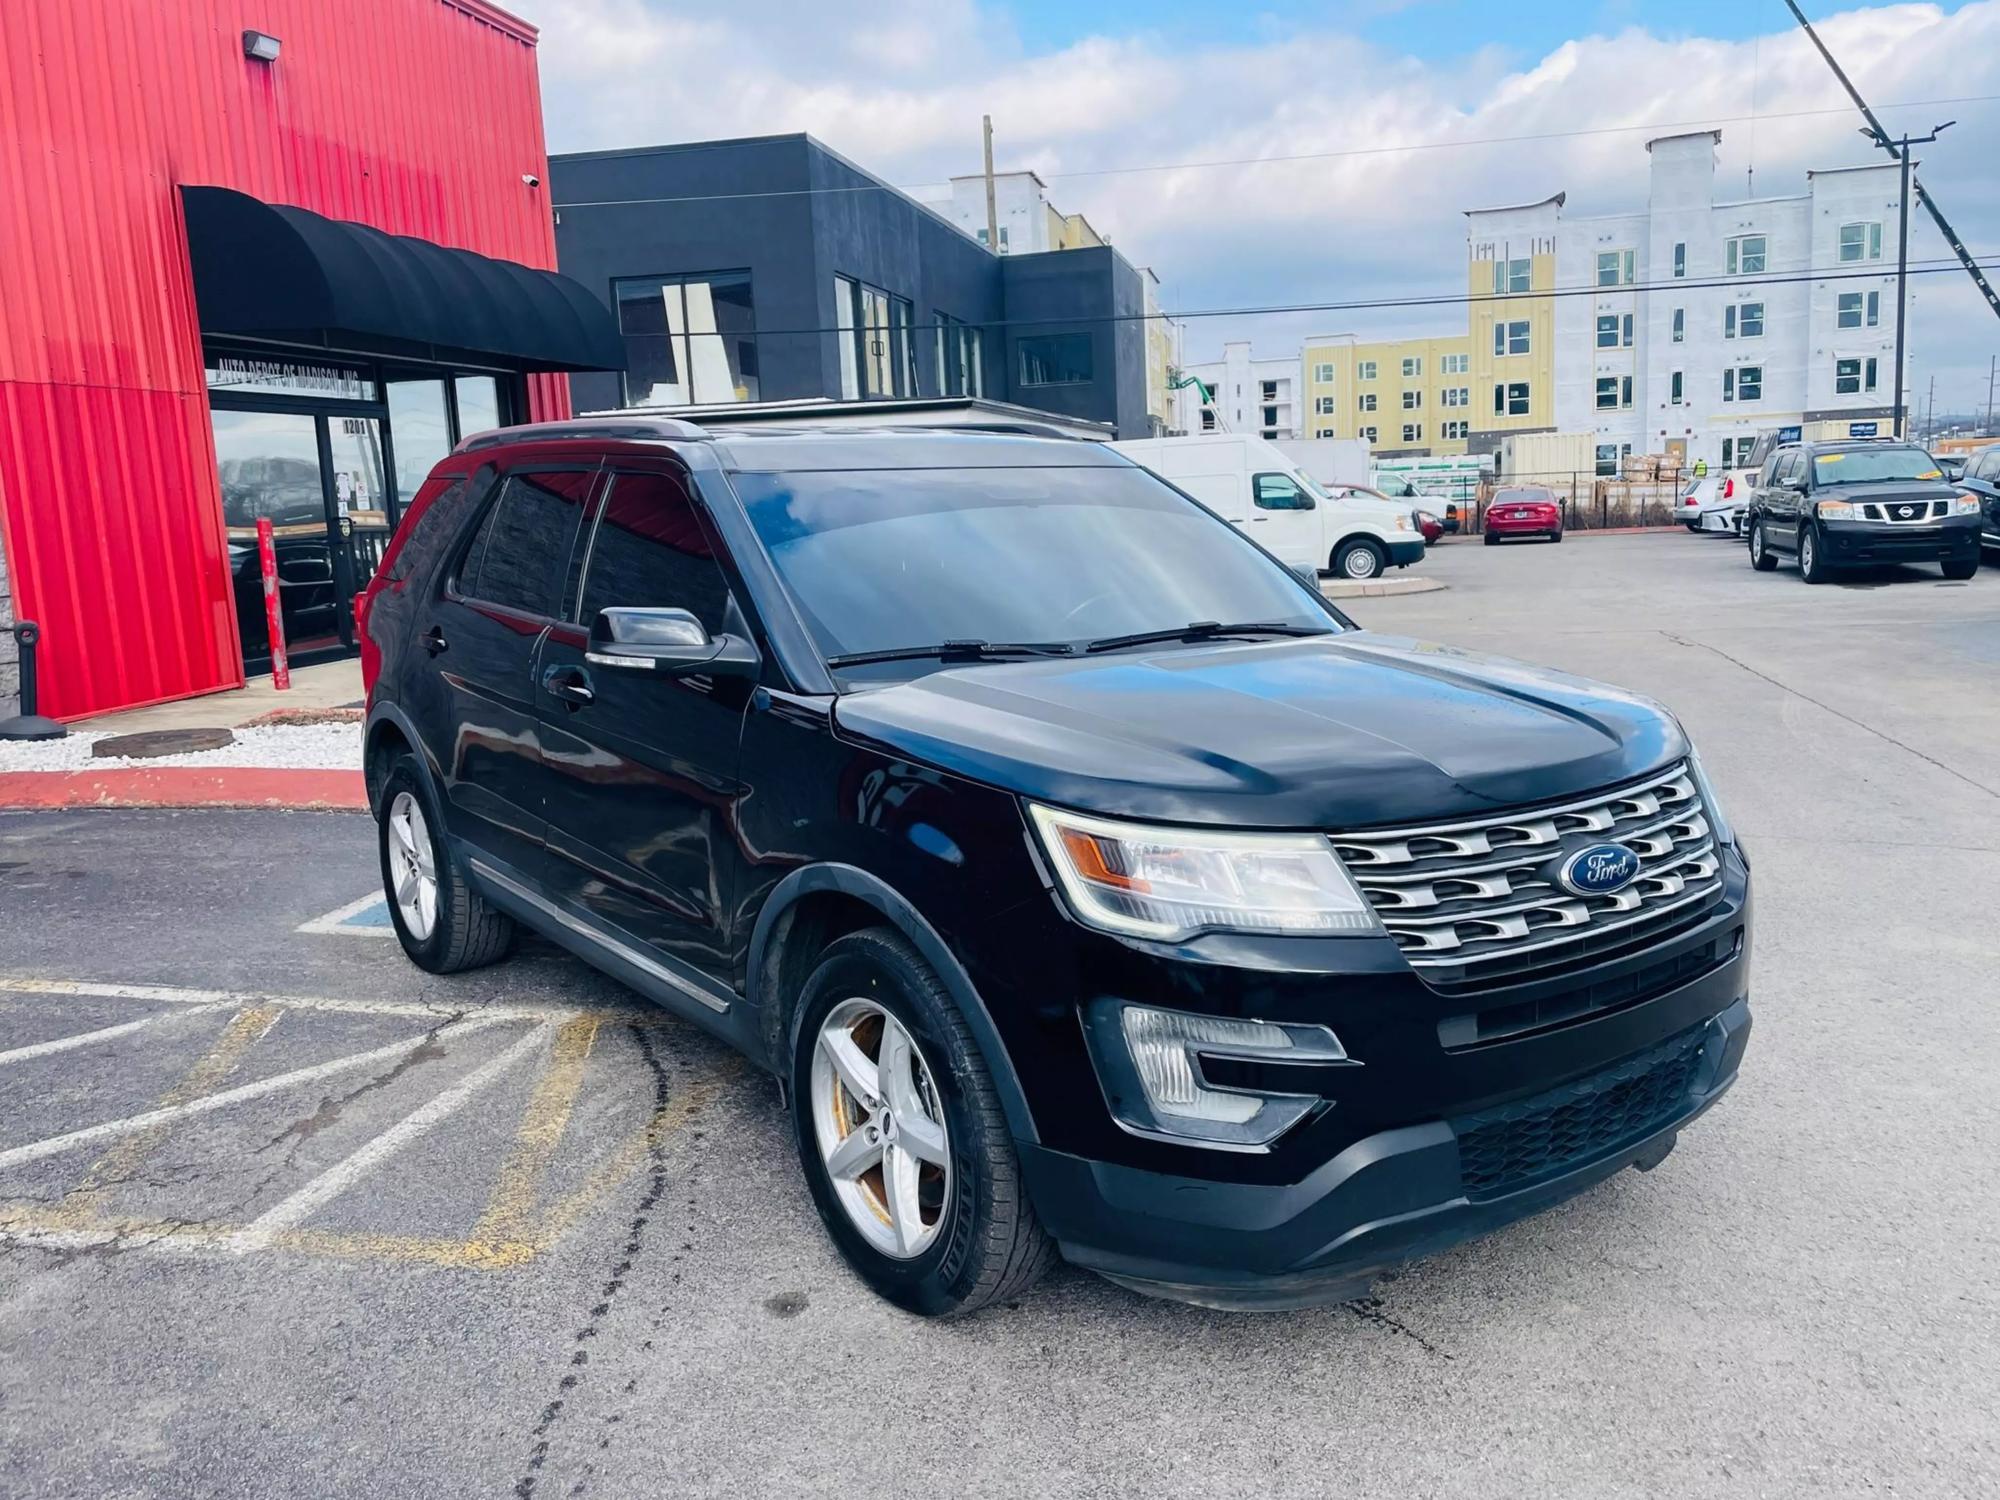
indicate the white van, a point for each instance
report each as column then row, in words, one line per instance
column 1249, row 483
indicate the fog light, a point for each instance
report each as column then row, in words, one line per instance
column 1149, row 1060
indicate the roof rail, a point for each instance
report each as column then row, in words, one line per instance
column 631, row 429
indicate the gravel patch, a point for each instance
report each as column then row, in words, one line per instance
column 314, row 746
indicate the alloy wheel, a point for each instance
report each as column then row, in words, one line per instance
column 1757, row 542
column 880, row 1127
column 412, row 866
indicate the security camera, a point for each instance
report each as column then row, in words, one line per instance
column 531, row 179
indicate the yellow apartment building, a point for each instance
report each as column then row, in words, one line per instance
column 1400, row 396
column 1511, row 256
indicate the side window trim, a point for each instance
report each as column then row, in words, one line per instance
column 483, row 508
column 1299, row 492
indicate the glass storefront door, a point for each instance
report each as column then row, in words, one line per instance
column 269, row 463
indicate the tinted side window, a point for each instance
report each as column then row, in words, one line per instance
column 433, row 515
column 651, row 552
column 522, row 541
column 1280, row 492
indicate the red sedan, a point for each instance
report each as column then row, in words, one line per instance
column 1527, row 511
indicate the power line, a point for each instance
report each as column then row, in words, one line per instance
column 1927, row 267
column 1255, row 161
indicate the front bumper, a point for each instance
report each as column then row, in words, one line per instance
column 1954, row 539
column 1516, row 1126
column 1402, row 554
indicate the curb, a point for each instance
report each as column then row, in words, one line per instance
column 1377, row 588
column 289, row 788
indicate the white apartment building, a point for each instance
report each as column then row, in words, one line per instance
column 1027, row 221
column 1255, row 396
column 1788, row 318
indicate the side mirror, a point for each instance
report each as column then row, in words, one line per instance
column 670, row 642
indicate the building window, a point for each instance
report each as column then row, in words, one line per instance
column 1743, row 383
column 1458, row 364
column 1366, row 403
column 1457, row 429
column 1614, row 391
column 1860, row 242
column 1003, row 237
column 1270, row 416
column 1510, row 338
column 690, row 340
column 1680, row 324
column 1614, row 331
column 1413, row 432
column 1859, row 309
column 874, row 330
column 1323, row 432
column 1413, row 366
column 1270, row 390
column 1368, row 434
column 1056, row 359
column 1413, row 400
column 1736, row 451
column 1680, row 259
column 1853, row 376
column 1365, row 370
column 1323, row 374
column 1607, row 458
column 960, row 370
column 1743, row 321
column 1744, row 255
column 1323, row 406
column 1457, row 395
column 1614, row 267
column 1511, row 399
column 1207, row 420
column 1676, row 388
column 1511, row 276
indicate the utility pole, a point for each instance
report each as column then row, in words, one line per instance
column 1992, row 370
column 1930, row 417
column 1901, row 150
column 992, row 209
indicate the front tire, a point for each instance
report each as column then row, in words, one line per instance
column 444, row 925
column 1958, row 570
column 1760, row 550
column 1812, row 565
column 1359, row 561
column 899, row 1128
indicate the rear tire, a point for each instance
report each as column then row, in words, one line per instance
column 1358, row 561
column 444, row 925
column 1695, row 527
column 1958, row 571
column 1812, row 565
column 1760, row 550
column 982, row 1242
column 1555, row 536
column 1491, row 539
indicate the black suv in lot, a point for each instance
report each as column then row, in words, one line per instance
column 1836, row 505
column 1092, row 885
column 1981, row 480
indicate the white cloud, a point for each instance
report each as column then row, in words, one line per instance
column 903, row 96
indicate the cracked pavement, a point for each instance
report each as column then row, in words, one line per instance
column 1800, row 1300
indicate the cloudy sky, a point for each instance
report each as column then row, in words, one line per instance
column 1398, row 114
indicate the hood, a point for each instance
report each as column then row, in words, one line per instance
column 1330, row 733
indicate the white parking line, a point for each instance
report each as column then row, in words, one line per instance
column 84, row 1038
column 36, row 1150
column 343, row 1175
column 341, row 921
column 179, row 995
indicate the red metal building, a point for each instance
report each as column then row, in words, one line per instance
column 177, row 362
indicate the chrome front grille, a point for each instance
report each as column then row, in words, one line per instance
column 1475, row 897
column 1905, row 512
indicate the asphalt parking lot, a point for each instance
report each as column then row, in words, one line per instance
column 282, row 1216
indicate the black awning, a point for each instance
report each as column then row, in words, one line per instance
column 270, row 271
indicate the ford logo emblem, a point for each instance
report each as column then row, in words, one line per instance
column 1599, row 870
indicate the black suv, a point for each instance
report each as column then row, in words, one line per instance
column 1091, row 885
column 1835, row 505
column 1982, row 481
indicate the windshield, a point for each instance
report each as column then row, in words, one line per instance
column 880, row 559
column 1522, row 497
column 1874, row 466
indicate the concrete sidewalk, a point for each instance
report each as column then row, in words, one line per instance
column 315, row 690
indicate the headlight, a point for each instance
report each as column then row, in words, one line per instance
column 1150, row 1062
column 1171, row 883
column 1835, row 510
column 1965, row 505
column 1717, row 819
column 1402, row 523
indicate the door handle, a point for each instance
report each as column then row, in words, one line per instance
column 570, row 684
column 434, row 640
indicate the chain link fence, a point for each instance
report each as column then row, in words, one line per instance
column 1589, row 501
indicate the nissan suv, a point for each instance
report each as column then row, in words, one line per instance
column 1836, row 505
column 1092, row 886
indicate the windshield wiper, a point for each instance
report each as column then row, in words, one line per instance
column 1204, row 630
column 954, row 651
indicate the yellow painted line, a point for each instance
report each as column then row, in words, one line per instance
column 245, row 1029
column 518, row 1188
